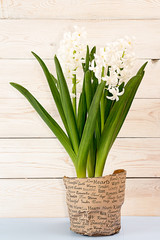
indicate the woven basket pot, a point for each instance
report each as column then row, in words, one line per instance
column 94, row 204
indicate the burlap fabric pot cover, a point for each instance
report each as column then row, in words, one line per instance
column 94, row 204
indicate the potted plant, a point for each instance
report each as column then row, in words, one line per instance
column 92, row 112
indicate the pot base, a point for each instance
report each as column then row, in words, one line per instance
column 98, row 234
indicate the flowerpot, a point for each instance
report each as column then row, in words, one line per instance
column 94, row 204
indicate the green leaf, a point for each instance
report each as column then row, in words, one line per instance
column 103, row 100
column 108, row 105
column 87, row 60
column 82, row 113
column 86, row 64
column 74, row 99
column 91, row 56
column 88, row 89
column 51, row 123
column 52, row 81
column 98, row 127
column 94, row 84
column 91, row 160
column 67, row 107
column 98, row 123
column 88, row 131
column 115, row 120
column 82, row 106
column 89, row 96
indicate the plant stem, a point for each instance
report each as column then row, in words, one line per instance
column 91, row 160
column 99, row 169
column 81, row 173
column 74, row 100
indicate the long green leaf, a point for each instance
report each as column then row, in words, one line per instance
column 88, row 132
column 108, row 105
column 115, row 120
column 54, row 80
column 88, row 89
column 91, row 56
column 82, row 105
column 52, row 124
column 74, row 91
column 82, row 113
column 91, row 160
column 67, row 107
column 89, row 97
column 55, row 93
column 86, row 64
column 94, row 84
column 98, row 124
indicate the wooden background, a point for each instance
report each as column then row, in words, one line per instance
column 32, row 162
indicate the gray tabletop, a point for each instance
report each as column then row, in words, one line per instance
column 139, row 228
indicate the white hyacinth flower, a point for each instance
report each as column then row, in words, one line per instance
column 116, row 93
column 116, row 59
column 112, row 80
column 113, row 62
column 72, row 52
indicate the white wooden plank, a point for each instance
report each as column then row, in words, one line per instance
column 18, row 119
column 19, row 37
column 46, row 158
column 110, row 9
column 46, row 198
column 3, row 9
column 29, row 74
column 142, row 197
column 0, row 10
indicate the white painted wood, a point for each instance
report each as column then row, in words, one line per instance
column 46, row 158
column 84, row 9
column 29, row 74
column 46, row 198
column 19, row 119
column 3, row 9
column 20, row 37
column 141, row 197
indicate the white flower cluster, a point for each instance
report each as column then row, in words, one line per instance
column 72, row 52
column 113, row 64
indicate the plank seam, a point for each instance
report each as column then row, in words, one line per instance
column 83, row 19
column 33, row 59
column 142, row 98
column 60, row 178
column 39, row 138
